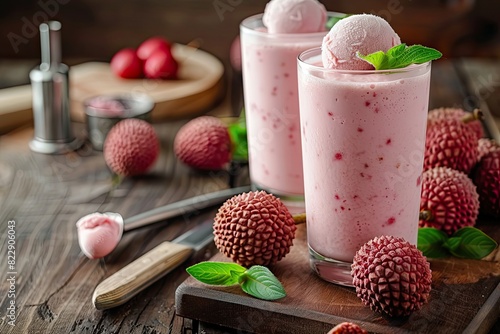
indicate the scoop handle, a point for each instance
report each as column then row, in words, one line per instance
column 139, row 274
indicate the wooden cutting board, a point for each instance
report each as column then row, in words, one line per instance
column 465, row 297
column 200, row 86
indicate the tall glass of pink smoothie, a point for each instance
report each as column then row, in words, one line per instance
column 363, row 137
column 269, row 67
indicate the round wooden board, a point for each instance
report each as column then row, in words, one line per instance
column 198, row 87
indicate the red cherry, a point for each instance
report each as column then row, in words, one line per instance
column 161, row 65
column 126, row 64
column 149, row 46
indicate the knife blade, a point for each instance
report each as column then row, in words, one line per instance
column 147, row 269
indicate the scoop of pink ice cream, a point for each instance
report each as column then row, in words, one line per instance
column 364, row 33
column 294, row 16
column 99, row 233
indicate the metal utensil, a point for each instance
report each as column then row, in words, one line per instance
column 147, row 269
column 50, row 90
column 171, row 210
column 181, row 207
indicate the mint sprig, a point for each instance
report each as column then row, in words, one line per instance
column 400, row 56
column 467, row 242
column 238, row 134
column 257, row 281
column 334, row 19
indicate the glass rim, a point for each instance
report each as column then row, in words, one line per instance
column 245, row 25
column 317, row 51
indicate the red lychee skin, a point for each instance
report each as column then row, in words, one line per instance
column 347, row 328
column 254, row 228
column 450, row 197
column 203, row 143
column 131, row 147
column 450, row 143
column 485, row 146
column 456, row 113
column 391, row 276
column 487, row 179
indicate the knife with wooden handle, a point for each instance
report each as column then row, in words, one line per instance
column 120, row 287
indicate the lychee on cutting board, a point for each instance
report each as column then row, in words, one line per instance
column 254, row 228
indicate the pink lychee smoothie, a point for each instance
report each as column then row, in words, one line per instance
column 269, row 67
column 363, row 138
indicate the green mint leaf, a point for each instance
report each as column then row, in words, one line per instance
column 334, row 19
column 259, row 281
column 396, row 51
column 378, row 59
column 452, row 244
column 417, row 54
column 238, row 134
column 471, row 243
column 217, row 273
column 401, row 56
column 431, row 242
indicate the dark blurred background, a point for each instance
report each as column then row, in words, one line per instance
column 95, row 30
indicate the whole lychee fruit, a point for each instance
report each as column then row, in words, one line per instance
column 486, row 145
column 487, row 179
column 449, row 200
column 347, row 328
column 391, row 276
column 203, row 143
column 458, row 114
column 450, row 143
column 254, row 228
column 131, row 147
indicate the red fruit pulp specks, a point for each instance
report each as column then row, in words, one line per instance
column 337, row 197
column 360, row 129
column 388, row 141
column 338, row 156
column 367, row 103
column 391, row 221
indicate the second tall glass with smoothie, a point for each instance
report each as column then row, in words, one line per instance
column 269, row 64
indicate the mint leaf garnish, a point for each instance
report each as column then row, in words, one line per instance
column 238, row 134
column 334, row 19
column 217, row 273
column 257, row 281
column 430, row 242
column 471, row 243
column 467, row 242
column 400, row 56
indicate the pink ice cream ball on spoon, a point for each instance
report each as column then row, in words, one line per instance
column 363, row 33
column 99, row 233
column 294, row 16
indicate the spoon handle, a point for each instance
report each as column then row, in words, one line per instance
column 181, row 207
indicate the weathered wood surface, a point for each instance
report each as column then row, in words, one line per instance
column 45, row 195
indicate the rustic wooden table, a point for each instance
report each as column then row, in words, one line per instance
column 43, row 196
